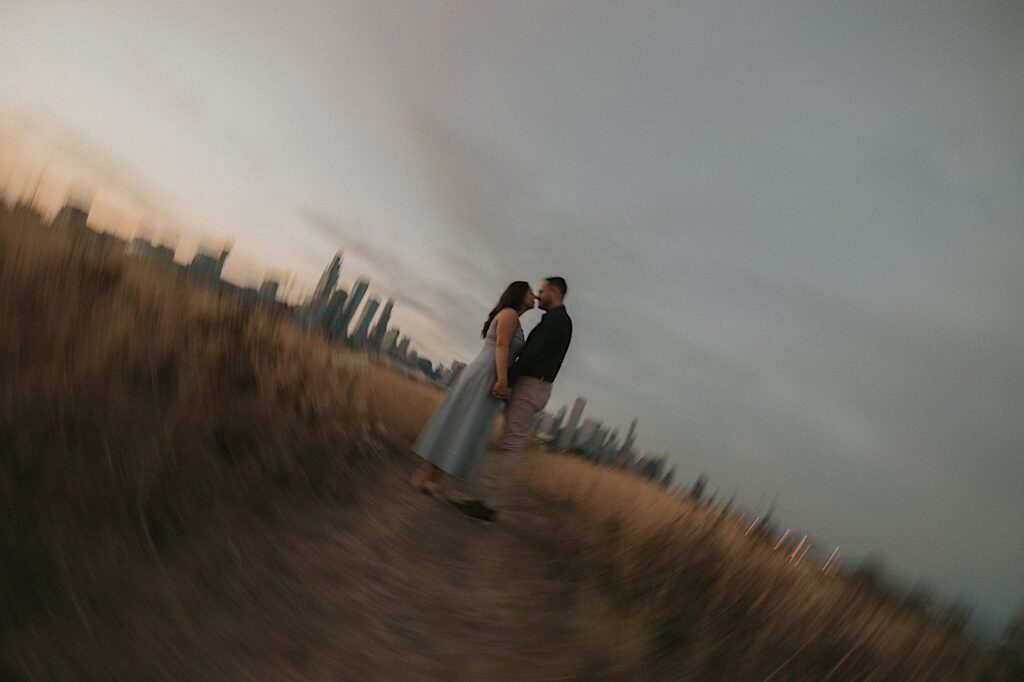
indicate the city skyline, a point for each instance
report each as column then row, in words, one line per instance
column 328, row 309
column 332, row 310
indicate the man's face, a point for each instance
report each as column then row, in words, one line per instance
column 544, row 292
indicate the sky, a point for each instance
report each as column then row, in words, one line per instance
column 793, row 231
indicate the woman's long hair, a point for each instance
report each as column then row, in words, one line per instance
column 512, row 298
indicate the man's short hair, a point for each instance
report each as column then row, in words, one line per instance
column 558, row 283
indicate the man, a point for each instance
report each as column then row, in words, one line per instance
column 530, row 379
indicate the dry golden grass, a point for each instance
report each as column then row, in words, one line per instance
column 195, row 489
column 720, row 603
column 139, row 403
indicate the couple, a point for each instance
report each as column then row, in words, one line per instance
column 512, row 369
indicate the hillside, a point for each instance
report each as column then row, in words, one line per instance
column 194, row 488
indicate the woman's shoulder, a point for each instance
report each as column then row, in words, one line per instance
column 506, row 314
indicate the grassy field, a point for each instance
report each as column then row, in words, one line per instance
column 193, row 488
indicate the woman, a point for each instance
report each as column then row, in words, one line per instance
column 456, row 436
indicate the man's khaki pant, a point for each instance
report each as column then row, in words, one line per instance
column 529, row 396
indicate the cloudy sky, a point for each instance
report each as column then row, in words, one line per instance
column 793, row 231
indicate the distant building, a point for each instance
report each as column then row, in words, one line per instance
column 145, row 250
column 610, row 451
column 206, row 266
column 344, row 318
column 389, row 346
column 424, row 365
column 314, row 309
column 334, row 306
column 651, row 466
column 568, row 435
column 586, row 433
column 71, row 217
column 361, row 334
column 105, row 242
column 592, row 443
column 376, row 340
column 457, row 368
column 328, row 280
column 627, row 446
column 402, row 352
column 545, row 427
column 267, row 293
column 537, row 419
column 556, row 426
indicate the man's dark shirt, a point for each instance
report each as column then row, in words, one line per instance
column 545, row 348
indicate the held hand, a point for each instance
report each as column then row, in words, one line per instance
column 500, row 390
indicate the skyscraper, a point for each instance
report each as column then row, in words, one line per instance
column 205, row 266
column 268, row 291
column 335, row 304
column 315, row 307
column 542, row 424
column 376, row 340
column 586, row 432
column 627, row 446
column 568, row 436
column 71, row 218
column 596, row 448
column 359, row 337
column 390, row 343
column 592, row 444
column 556, row 425
column 402, row 352
column 611, row 448
column 344, row 318
column 425, row 366
column 328, row 280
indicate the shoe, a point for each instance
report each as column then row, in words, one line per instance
column 477, row 510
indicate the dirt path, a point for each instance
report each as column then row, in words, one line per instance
column 399, row 586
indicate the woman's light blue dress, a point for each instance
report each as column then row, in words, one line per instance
column 456, row 436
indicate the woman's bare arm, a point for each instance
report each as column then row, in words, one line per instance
column 506, row 321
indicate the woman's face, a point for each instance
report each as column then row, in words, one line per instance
column 529, row 300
